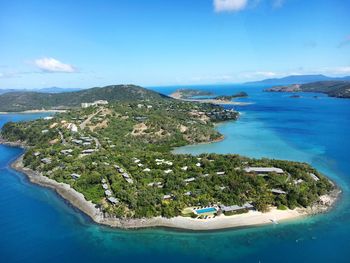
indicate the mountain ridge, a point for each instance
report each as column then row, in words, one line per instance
column 296, row 79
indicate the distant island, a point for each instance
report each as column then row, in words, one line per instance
column 190, row 95
column 113, row 160
column 338, row 89
column 297, row 79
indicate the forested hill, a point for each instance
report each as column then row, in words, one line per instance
column 21, row 101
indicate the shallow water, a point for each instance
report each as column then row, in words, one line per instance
column 38, row 226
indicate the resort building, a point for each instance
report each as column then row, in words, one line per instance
column 167, row 197
column 234, row 208
column 113, row 200
column 263, row 170
column 127, row 178
column 75, row 176
column 46, row 160
column 88, row 151
column 95, row 103
column 184, row 168
column 278, row 191
column 313, row 176
column 108, row 192
column 188, row 180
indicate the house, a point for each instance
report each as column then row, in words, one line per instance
column 46, row 160
column 108, row 192
column 146, row 170
column 72, row 127
column 299, row 181
column 198, row 164
column 77, row 141
column 220, row 173
column 313, row 176
column 103, row 181
column 36, row 154
column 44, row 131
column 86, row 143
column 168, row 171
column 105, row 186
column 157, row 184
column 66, row 152
column 127, row 178
column 278, row 191
column 188, row 180
column 234, row 208
column 167, row 197
column 113, row 200
column 189, row 193
column 88, row 151
column 48, row 118
column 263, row 170
column 184, row 168
column 75, row 176
column 95, row 103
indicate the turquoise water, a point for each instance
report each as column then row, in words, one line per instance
column 38, row 226
column 205, row 210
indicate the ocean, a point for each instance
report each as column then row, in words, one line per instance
column 38, row 226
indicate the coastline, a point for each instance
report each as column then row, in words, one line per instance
column 31, row 111
column 252, row 218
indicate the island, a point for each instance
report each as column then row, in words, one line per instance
column 192, row 95
column 113, row 160
column 338, row 89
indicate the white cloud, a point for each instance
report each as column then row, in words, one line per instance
column 229, row 5
column 52, row 65
column 338, row 70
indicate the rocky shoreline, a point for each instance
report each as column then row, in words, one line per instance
column 253, row 218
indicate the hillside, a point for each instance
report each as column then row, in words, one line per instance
column 338, row 89
column 297, row 79
column 22, row 101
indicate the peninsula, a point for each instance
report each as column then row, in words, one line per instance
column 112, row 159
column 337, row 89
column 192, row 95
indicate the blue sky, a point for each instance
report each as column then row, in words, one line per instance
column 155, row 42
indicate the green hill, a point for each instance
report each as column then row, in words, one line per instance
column 21, row 101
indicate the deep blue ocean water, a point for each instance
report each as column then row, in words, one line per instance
column 38, row 226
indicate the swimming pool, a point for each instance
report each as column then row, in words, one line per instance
column 206, row 210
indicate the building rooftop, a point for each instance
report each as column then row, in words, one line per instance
column 263, row 170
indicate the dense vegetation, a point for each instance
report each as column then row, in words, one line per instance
column 191, row 93
column 22, row 101
column 241, row 94
column 338, row 89
column 136, row 138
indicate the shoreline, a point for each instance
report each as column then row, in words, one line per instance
column 252, row 218
column 31, row 111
